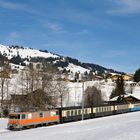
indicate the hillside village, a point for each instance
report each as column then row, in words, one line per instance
column 33, row 74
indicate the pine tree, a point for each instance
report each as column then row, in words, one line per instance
column 119, row 90
column 137, row 76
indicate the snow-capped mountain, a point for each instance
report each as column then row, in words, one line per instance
column 13, row 51
column 20, row 55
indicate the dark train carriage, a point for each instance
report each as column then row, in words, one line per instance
column 103, row 110
column 69, row 114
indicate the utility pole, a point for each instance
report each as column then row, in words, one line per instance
column 83, row 100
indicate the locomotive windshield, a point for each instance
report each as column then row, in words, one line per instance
column 14, row 116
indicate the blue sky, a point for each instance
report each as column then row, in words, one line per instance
column 105, row 32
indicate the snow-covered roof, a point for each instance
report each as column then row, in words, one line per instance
column 135, row 95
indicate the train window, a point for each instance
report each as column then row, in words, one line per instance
column 100, row 109
column 79, row 112
column 23, row 116
column 57, row 113
column 29, row 116
column 85, row 111
column 19, row 117
column 41, row 114
column 53, row 113
column 72, row 113
column 75, row 112
column 108, row 109
column 14, row 116
column 97, row 110
column 68, row 113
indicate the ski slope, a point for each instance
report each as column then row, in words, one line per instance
column 118, row 127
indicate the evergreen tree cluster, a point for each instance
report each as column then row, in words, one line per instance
column 119, row 90
column 18, row 60
column 16, row 47
column 42, row 59
column 72, row 60
column 137, row 76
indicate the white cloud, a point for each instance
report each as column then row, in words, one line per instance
column 54, row 27
column 125, row 7
column 14, row 35
column 16, row 6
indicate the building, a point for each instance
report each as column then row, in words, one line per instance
column 130, row 98
column 126, row 77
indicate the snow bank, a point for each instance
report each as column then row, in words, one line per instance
column 3, row 125
column 122, row 127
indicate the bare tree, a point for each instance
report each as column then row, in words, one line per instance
column 41, row 87
column 26, row 80
column 93, row 97
column 7, row 83
column 37, row 100
column 37, row 84
column 4, row 75
column 47, row 73
column 62, row 91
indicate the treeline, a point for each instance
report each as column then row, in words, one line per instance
column 39, row 87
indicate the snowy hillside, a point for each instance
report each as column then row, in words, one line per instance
column 25, row 54
column 118, row 127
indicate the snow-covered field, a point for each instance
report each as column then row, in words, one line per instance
column 3, row 125
column 118, row 127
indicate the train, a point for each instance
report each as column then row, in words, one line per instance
column 24, row 120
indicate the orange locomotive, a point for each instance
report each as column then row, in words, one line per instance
column 22, row 120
